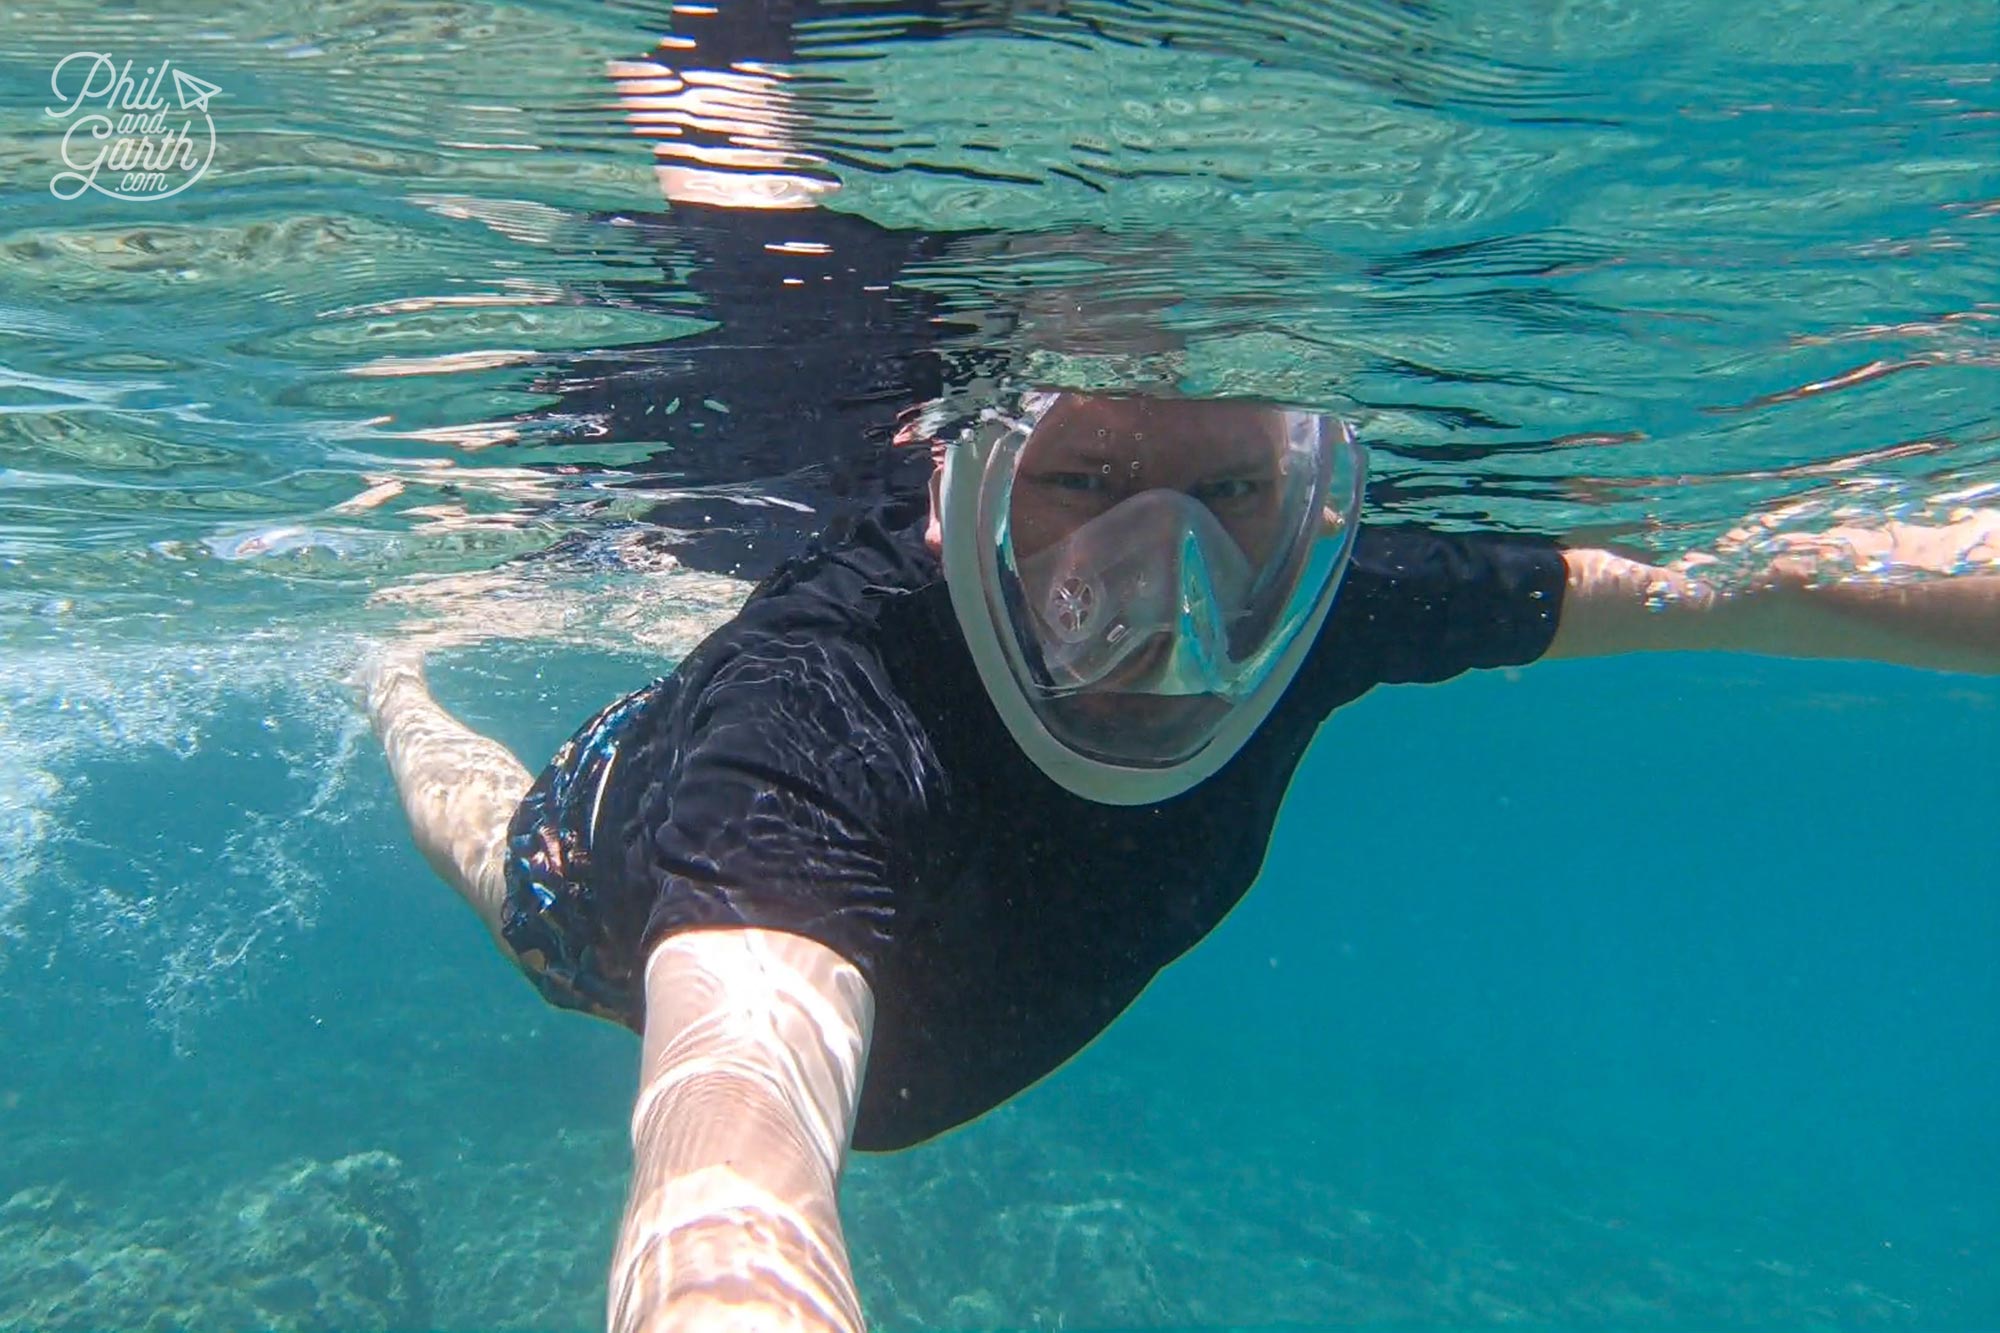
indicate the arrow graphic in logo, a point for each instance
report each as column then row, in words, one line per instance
column 194, row 93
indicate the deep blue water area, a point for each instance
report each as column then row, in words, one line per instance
column 1636, row 991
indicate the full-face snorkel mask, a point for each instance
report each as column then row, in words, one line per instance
column 1134, row 617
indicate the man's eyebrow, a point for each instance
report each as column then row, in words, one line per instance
column 1259, row 461
column 1075, row 455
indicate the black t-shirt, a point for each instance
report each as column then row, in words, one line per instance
column 829, row 764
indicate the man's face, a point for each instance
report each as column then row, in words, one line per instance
column 1088, row 453
column 1154, row 697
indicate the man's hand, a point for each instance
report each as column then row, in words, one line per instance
column 1922, row 595
column 1968, row 545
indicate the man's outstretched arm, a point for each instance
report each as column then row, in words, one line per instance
column 755, row 1043
column 1914, row 595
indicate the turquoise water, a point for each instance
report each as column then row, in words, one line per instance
column 1598, row 995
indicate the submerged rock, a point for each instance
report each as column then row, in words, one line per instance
column 314, row 1246
column 331, row 1246
column 59, row 1272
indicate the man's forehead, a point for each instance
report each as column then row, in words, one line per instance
column 1165, row 426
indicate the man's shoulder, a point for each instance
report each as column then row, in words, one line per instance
column 879, row 552
column 1420, row 604
column 1410, row 552
column 1425, row 569
column 821, row 633
column 793, row 716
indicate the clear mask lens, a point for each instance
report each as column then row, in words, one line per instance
column 1143, row 598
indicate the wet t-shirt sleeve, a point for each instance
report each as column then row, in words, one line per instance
column 783, row 798
column 1419, row 606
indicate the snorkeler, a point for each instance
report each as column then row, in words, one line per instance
column 944, row 797
column 949, row 791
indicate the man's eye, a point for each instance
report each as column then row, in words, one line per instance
column 1079, row 483
column 1222, row 490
